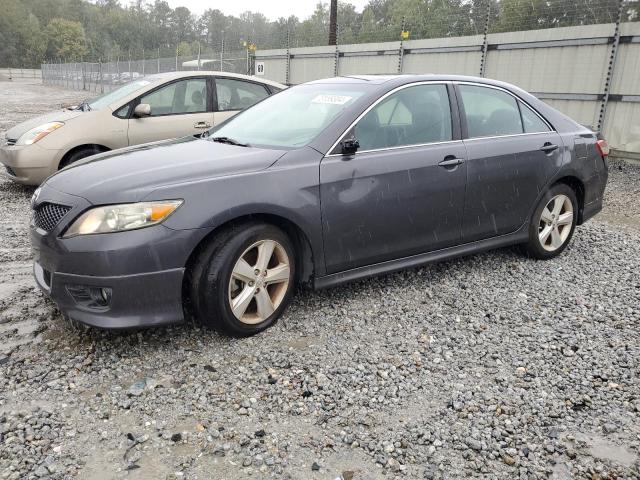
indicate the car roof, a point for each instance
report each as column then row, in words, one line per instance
column 400, row 79
column 197, row 73
column 156, row 79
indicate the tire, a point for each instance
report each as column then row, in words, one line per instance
column 549, row 236
column 78, row 155
column 219, row 279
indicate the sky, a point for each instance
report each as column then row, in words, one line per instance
column 272, row 9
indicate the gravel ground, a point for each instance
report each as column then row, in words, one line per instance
column 491, row 366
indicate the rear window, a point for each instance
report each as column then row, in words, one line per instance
column 490, row 112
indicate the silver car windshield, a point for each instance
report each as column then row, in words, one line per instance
column 292, row 118
column 102, row 101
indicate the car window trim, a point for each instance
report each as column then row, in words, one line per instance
column 454, row 130
column 463, row 117
column 222, row 77
column 471, row 139
column 398, row 147
column 136, row 101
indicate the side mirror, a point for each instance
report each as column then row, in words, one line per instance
column 350, row 146
column 142, row 110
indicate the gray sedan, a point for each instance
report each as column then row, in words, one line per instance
column 323, row 183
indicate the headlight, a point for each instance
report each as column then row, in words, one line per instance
column 36, row 134
column 118, row 218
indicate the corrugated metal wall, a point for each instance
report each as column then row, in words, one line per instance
column 566, row 67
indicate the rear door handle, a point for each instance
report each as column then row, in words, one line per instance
column 201, row 125
column 451, row 162
column 548, row 147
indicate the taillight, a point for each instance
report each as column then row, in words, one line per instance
column 603, row 148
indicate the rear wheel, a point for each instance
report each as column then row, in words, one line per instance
column 244, row 279
column 553, row 222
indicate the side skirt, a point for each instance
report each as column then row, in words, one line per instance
column 519, row 236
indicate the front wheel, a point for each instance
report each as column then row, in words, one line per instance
column 553, row 223
column 242, row 282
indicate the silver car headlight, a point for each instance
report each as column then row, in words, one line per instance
column 118, row 218
column 36, row 134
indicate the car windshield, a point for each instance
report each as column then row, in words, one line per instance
column 292, row 118
column 102, row 101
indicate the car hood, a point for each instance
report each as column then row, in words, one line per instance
column 129, row 174
column 59, row 116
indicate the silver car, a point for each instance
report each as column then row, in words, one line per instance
column 157, row 107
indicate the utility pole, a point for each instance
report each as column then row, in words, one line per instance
column 333, row 22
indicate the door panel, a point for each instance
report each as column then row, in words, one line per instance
column 178, row 109
column 219, row 117
column 389, row 204
column 504, row 177
column 506, row 167
column 151, row 129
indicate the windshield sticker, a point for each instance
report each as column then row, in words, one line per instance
column 331, row 99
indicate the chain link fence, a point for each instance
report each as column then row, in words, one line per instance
column 103, row 77
column 233, row 50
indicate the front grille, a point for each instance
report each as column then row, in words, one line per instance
column 47, row 215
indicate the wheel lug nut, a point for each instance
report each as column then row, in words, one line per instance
column 251, row 284
column 256, row 272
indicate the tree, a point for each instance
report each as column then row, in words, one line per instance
column 184, row 49
column 65, row 39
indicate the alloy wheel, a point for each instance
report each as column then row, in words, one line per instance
column 259, row 281
column 556, row 222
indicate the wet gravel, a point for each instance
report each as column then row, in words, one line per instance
column 491, row 366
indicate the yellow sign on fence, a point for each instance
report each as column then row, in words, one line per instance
column 404, row 34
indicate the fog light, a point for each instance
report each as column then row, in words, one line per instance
column 91, row 297
column 101, row 296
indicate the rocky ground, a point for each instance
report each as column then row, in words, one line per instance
column 491, row 366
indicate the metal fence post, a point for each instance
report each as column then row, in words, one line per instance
column 483, row 57
column 337, row 52
column 610, row 69
column 401, row 48
column 143, row 62
column 198, row 56
column 176, row 69
column 158, row 59
column 130, row 74
column 101, row 77
column 84, row 76
column 222, row 51
column 248, row 64
column 287, row 74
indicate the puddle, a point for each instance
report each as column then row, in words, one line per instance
column 604, row 449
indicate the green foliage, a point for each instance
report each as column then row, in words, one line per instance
column 32, row 31
column 184, row 49
column 65, row 40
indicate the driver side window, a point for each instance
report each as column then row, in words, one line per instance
column 411, row 116
column 185, row 96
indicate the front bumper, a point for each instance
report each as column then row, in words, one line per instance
column 29, row 164
column 139, row 300
column 142, row 269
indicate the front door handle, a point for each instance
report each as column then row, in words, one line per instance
column 201, row 125
column 548, row 147
column 451, row 162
